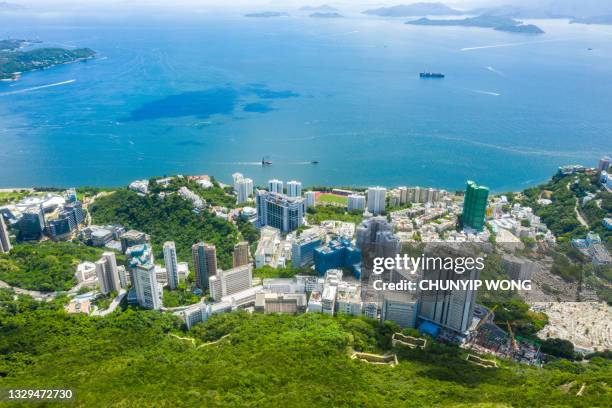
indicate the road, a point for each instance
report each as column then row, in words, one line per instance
column 116, row 301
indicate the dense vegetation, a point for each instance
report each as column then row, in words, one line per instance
column 560, row 216
column 169, row 219
column 40, row 58
column 180, row 296
column 46, row 266
column 320, row 213
column 267, row 271
column 214, row 196
column 130, row 359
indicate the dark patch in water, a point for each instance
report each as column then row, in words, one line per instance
column 189, row 143
column 265, row 93
column 201, row 104
column 206, row 103
column 257, row 107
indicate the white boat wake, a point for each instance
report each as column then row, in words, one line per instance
column 486, row 92
column 516, row 44
column 36, row 88
column 496, row 71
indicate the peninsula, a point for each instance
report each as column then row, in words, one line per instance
column 498, row 23
column 14, row 62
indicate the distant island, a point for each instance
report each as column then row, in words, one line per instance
column 506, row 24
column 14, row 62
column 10, row 6
column 267, row 14
column 605, row 20
column 326, row 15
column 13, row 44
column 323, row 8
column 416, row 9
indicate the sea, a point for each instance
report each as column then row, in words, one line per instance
column 210, row 94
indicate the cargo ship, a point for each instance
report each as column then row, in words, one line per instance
column 431, row 75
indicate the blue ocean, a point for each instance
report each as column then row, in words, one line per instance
column 214, row 95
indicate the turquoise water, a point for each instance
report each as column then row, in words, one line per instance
column 217, row 95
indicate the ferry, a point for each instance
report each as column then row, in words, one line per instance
column 431, row 75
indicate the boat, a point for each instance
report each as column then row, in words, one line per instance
column 265, row 162
column 314, row 162
column 431, row 75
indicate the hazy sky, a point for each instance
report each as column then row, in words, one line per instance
column 574, row 6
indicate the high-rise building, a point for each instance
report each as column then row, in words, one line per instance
column 375, row 239
column 133, row 238
column 204, row 262
column 236, row 177
column 75, row 209
column 338, row 253
column 519, row 269
column 171, row 264
column 294, row 188
column 279, row 211
column 241, row 254
column 310, row 197
column 244, row 190
column 399, row 308
column 232, row 281
column 148, row 292
column 62, row 226
column 377, row 197
column 275, row 186
column 32, row 224
column 474, row 206
column 107, row 273
column 302, row 249
column 5, row 242
column 356, row 202
column 454, row 308
column 604, row 164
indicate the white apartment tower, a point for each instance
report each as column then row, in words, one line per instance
column 244, row 189
column 310, row 198
column 275, row 186
column 147, row 290
column 171, row 264
column 356, row 202
column 232, row 281
column 294, row 188
column 377, row 200
column 107, row 273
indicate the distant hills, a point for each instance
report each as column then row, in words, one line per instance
column 326, row 15
column 607, row 20
column 321, row 8
column 416, row 9
column 5, row 6
column 267, row 14
column 506, row 24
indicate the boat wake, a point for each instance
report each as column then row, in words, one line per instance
column 486, row 92
column 36, row 88
column 515, row 44
column 491, row 69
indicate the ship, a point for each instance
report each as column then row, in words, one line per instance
column 431, row 75
column 314, row 162
column 265, row 162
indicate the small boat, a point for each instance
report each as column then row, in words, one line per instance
column 265, row 162
column 314, row 162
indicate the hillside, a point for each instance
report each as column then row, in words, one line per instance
column 134, row 357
